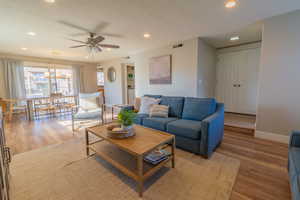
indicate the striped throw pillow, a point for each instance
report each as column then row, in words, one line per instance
column 159, row 111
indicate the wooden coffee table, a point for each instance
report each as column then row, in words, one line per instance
column 145, row 141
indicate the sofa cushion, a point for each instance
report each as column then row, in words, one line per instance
column 139, row 118
column 159, row 111
column 294, row 170
column 146, row 104
column 198, row 108
column 88, row 114
column 153, row 96
column 158, row 122
column 175, row 105
column 185, row 128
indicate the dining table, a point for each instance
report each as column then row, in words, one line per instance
column 7, row 104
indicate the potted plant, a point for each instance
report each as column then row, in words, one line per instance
column 125, row 118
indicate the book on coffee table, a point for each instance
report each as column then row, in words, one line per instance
column 157, row 156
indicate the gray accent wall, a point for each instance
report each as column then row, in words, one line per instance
column 279, row 77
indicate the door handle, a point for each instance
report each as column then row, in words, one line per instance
column 8, row 155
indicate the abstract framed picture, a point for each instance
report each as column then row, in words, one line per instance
column 160, row 70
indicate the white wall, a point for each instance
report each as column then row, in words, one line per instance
column 114, row 91
column 279, row 78
column 206, row 70
column 184, row 70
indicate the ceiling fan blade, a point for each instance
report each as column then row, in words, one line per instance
column 112, row 35
column 99, row 49
column 109, row 46
column 77, row 41
column 77, row 46
column 98, row 39
column 73, row 26
column 100, row 27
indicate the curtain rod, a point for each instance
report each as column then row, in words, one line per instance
column 43, row 60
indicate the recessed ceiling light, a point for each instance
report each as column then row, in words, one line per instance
column 31, row 33
column 50, row 1
column 55, row 52
column 230, row 3
column 24, row 48
column 147, row 35
column 234, row 38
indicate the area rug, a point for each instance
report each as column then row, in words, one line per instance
column 63, row 172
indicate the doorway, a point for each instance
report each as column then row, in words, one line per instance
column 130, row 84
column 237, row 85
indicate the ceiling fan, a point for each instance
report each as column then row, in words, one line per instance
column 93, row 42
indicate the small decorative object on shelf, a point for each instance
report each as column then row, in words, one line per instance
column 124, row 128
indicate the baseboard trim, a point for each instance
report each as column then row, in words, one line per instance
column 272, row 136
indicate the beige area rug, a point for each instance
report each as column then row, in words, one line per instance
column 62, row 172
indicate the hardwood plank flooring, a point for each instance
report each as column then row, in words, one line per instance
column 262, row 175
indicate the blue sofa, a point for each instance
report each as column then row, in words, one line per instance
column 197, row 123
column 294, row 164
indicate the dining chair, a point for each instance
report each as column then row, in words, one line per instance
column 89, row 107
column 18, row 107
column 43, row 106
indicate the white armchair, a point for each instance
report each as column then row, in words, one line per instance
column 90, row 106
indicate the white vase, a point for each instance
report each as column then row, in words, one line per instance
column 129, row 129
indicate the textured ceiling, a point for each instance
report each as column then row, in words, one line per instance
column 168, row 21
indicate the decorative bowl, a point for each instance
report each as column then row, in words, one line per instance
column 117, row 131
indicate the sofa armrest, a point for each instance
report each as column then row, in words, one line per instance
column 212, row 131
column 295, row 139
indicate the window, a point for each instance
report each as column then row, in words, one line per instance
column 100, row 78
column 36, row 81
column 41, row 81
column 62, row 81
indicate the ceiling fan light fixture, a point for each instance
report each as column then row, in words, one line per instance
column 230, row 3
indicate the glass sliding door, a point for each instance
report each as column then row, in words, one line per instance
column 36, row 81
column 42, row 81
column 53, row 85
column 64, row 81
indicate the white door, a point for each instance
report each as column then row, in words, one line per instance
column 226, row 79
column 237, row 77
column 248, row 81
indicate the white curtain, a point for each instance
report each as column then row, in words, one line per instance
column 78, row 83
column 12, row 74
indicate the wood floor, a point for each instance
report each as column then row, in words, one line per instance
column 262, row 174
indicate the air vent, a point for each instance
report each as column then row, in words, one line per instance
column 177, row 46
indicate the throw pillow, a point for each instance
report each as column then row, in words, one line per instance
column 146, row 103
column 159, row 111
column 89, row 103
